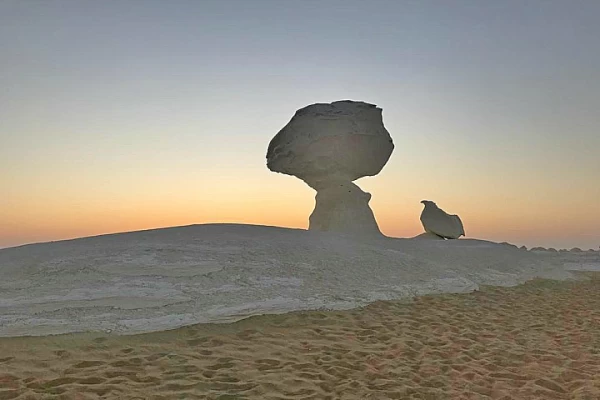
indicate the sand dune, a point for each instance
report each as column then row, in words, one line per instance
column 540, row 340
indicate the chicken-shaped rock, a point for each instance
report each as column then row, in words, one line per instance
column 437, row 221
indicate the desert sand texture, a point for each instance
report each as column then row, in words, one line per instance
column 540, row 340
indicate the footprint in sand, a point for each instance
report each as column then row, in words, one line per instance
column 155, row 357
column 91, row 381
column 209, row 374
column 132, row 362
column 196, row 342
column 179, row 369
column 127, row 350
column 219, row 366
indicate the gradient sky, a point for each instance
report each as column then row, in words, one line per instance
column 127, row 115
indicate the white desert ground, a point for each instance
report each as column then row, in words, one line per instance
column 152, row 314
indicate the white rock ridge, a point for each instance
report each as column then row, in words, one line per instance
column 437, row 221
column 166, row 278
column 328, row 146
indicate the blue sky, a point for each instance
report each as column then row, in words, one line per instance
column 492, row 107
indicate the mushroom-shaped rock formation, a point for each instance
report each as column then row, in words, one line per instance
column 437, row 221
column 328, row 146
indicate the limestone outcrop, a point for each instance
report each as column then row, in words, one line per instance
column 437, row 221
column 428, row 236
column 329, row 146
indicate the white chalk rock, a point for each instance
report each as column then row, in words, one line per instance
column 343, row 208
column 538, row 249
column 437, row 221
column 428, row 236
column 341, row 141
column 328, row 146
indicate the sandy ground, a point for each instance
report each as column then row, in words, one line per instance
column 540, row 340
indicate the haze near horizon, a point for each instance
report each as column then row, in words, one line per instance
column 135, row 115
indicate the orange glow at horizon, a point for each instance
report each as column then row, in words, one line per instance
column 286, row 202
